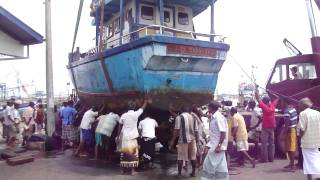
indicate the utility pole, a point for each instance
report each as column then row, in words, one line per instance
column 49, row 73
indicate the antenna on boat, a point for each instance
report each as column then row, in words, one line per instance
column 291, row 48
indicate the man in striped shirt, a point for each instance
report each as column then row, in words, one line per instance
column 291, row 121
column 186, row 128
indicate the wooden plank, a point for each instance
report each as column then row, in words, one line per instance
column 19, row 150
column 8, row 154
column 19, row 160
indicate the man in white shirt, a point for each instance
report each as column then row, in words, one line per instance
column 309, row 130
column 127, row 135
column 215, row 163
column 9, row 123
column 88, row 119
column 19, row 123
column 147, row 129
column 28, row 116
column 104, row 130
column 255, row 126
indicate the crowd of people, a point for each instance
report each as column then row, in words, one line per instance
column 18, row 126
column 131, row 135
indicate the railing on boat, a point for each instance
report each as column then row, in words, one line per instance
column 152, row 30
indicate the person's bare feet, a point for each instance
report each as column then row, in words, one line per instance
column 253, row 162
column 287, row 166
column 193, row 174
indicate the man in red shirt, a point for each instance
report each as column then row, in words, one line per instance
column 268, row 125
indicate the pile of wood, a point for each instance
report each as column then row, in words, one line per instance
column 16, row 156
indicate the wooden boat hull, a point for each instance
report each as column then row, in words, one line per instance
column 169, row 70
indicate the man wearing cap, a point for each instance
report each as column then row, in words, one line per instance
column 309, row 130
column 268, row 126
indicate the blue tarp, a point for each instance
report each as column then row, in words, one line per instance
column 17, row 29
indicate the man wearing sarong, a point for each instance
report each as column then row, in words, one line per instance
column 147, row 128
column 10, row 124
column 127, row 135
column 105, row 127
column 309, row 129
column 290, row 121
column 197, row 114
column 40, row 119
column 69, row 135
column 28, row 117
column 20, row 124
column 255, row 127
column 215, row 164
column 186, row 128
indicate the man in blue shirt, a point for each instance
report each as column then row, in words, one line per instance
column 69, row 135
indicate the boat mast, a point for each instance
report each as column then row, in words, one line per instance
column 212, row 20
column 121, row 21
column 311, row 19
column 315, row 39
column 161, row 10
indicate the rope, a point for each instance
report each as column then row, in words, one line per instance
column 242, row 69
column 77, row 24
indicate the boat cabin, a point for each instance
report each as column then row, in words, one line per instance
column 127, row 20
column 296, row 77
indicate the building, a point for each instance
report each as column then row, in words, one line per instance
column 15, row 37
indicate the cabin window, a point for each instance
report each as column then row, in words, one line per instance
column 105, row 34
column 147, row 12
column 117, row 25
column 129, row 15
column 166, row 17
column 279, row 74
column 302, row 71
column 110, row 30
column 183, row 18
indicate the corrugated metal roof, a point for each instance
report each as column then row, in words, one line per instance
column 17, row 29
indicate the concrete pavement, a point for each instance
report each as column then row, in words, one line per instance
column 66, row 167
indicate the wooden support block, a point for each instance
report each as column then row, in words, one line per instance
column 20, row 150
column 39, row 145
column 19, row 160
column 8, row 154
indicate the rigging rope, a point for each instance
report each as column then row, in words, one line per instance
column 77, row 24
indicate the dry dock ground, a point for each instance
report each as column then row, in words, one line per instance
column 66, row 167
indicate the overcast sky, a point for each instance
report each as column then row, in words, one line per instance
column 255, row 30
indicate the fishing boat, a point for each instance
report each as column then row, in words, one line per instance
column 148, row 48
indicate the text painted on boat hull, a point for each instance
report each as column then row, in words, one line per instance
column 191, row 50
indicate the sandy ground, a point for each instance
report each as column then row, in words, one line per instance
column 66, row 167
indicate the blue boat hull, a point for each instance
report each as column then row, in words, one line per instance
column 169, row 70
